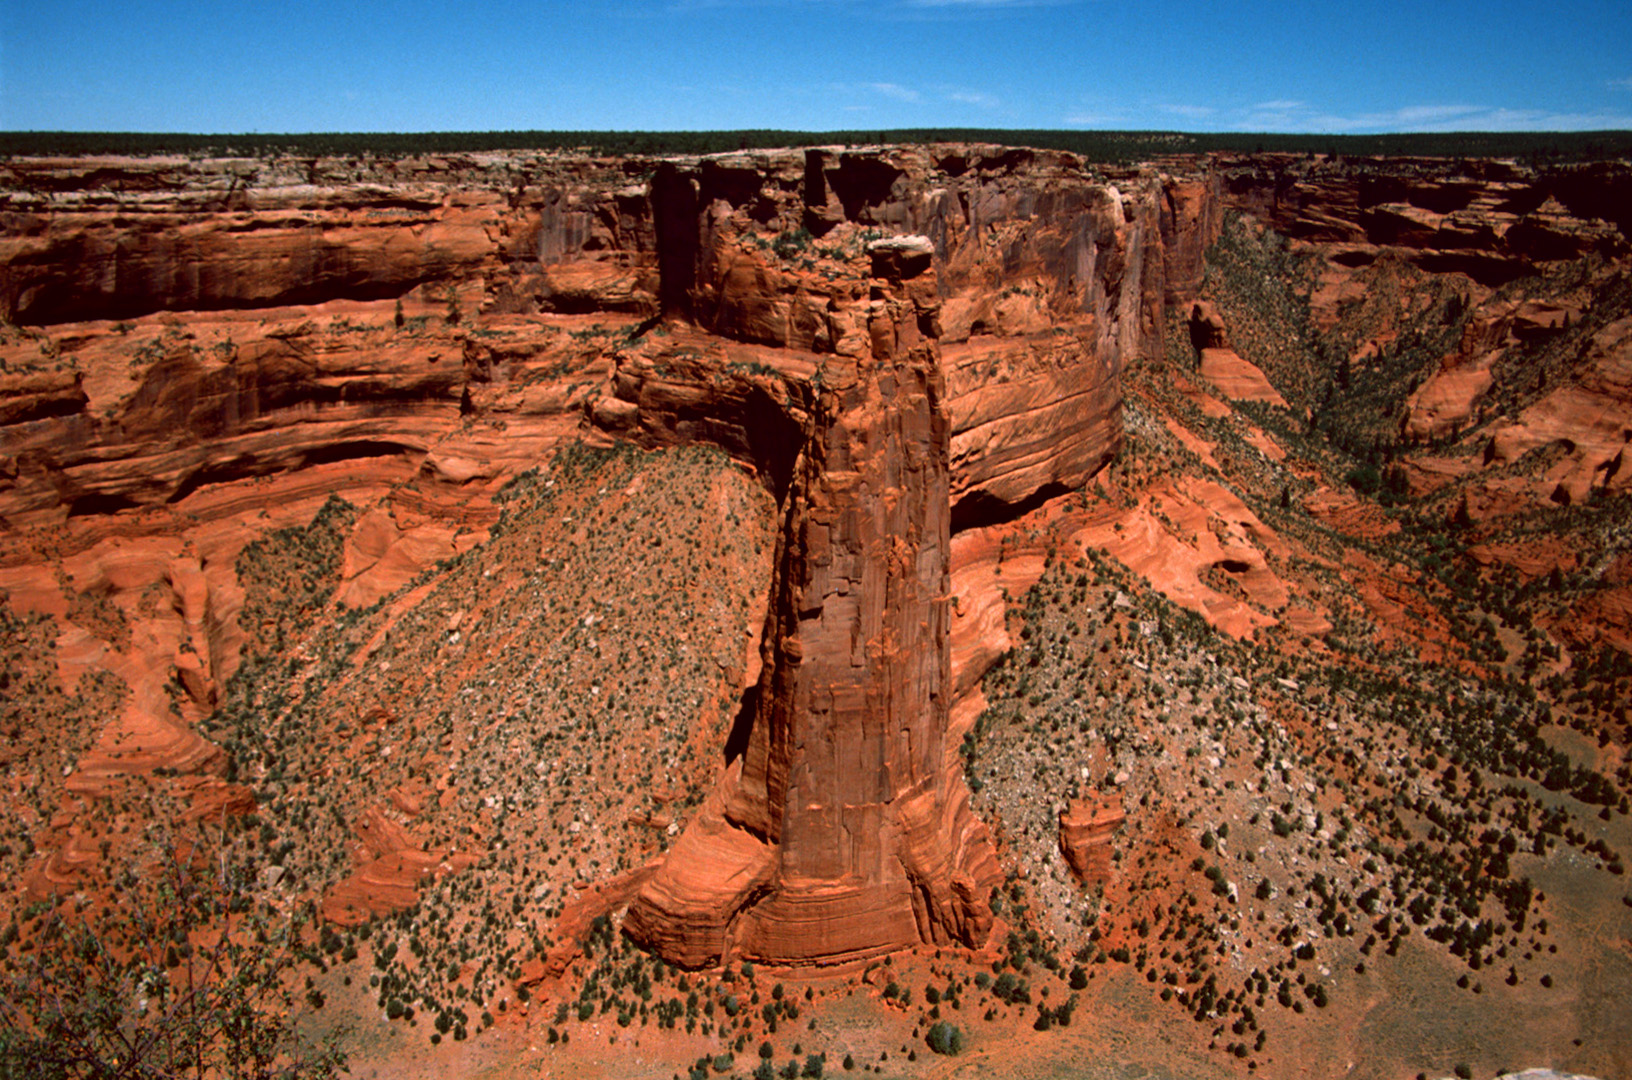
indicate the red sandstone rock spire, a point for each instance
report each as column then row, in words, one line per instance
column 842, row 828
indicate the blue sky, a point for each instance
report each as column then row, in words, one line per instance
column 421, row 65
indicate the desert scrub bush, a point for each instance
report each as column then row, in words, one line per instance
column 945, row 1038
column 134, row 990
column 791, row 243
column 290, row 575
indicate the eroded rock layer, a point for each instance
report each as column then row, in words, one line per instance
column 892, row 339
column 902, row 344
column 840, row 831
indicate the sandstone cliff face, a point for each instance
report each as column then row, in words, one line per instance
column 897, row 341
column 1086, row 829
column 841, row 830
column 520, row 660
column 122, row 238
column 1462, row 296
column 902, row 344
column 1492, row 221
column 1048, row 278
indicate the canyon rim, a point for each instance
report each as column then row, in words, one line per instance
column 641, row 610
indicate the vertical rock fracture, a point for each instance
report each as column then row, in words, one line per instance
column 842, row 829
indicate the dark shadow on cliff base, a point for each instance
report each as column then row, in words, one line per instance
column 736, row 743
column 978, row 509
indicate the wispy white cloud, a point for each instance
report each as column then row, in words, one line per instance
column 1291, row 116
column 1539, row 120
column 1103, row 121
column 973, row 97
column 1295, row 116
column 896, row 92
column 1434, row 114
column 1621, row 84
column 1189, row 112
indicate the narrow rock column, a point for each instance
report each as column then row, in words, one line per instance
column 843, row 830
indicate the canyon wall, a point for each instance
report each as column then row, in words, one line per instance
column 720, row 556
column 1482, row 295
column 902, row 343
column 898, row 341
column 841, row 829
column 1049, row 275
column 1492, row 221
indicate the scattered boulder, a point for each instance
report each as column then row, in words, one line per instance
column 1086, row 829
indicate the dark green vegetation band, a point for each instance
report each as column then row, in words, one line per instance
column 1110, row 147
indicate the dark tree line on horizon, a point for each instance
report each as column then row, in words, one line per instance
column 1107, row 147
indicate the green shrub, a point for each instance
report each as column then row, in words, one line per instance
column 791, row 243
column 945, row 1038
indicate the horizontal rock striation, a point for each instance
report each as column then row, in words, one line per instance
column 120, row 238
column 1532, row 255
column 1493, row 221
column 842, row 829
column 900, row 342
column 869, row 400
column 1048, row 277
column 1086, row 829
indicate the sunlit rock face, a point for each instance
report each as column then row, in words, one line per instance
column 841, row 829
column 902, row 344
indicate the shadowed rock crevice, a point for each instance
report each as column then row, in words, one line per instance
column 862, row 183
column 980, row 509
column 97, row 503
column 775, row 440
column 674, row 209
column 222, row 472
column 742, row 726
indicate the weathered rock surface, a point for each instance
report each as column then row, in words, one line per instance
column 910, row 348
column 118, row 238
column 412, row 334
column 1086, row 828
column 1491, row 221
column 841, row 829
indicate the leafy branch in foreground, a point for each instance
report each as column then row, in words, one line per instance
column 189, row 978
